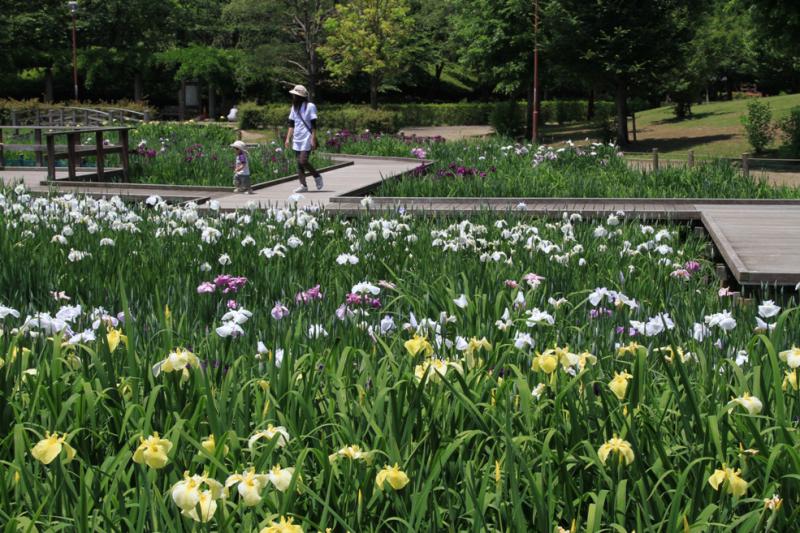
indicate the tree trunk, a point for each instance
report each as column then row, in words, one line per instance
column 439, row 68
column 729, row 87
column 182, row 101
column 212, row 102
column 374, row 82
column 137, row 87
column 529, row 113
column 48, row 85
column 313, row 69
column 622, row 112
column 590, row 105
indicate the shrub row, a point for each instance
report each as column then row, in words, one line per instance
column 392, row 117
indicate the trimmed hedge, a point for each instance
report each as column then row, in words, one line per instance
column 393, row 117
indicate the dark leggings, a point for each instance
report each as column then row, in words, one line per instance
column 303, row 165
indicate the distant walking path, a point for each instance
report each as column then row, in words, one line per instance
column 451, row 133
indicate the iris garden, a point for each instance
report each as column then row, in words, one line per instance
column 171, row 367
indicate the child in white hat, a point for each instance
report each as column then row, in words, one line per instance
column 241, row 169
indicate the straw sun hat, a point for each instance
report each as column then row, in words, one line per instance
column 240, row 145
column 299, row 90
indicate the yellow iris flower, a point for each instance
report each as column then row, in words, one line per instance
column 286, row 525
column 790, row 380
column 280, row 478
column 249, row 484
column 396, row 478
column 417, row 345
column 270, row 433
column 179, row 360
column 47, row 449
column 114, row 336
column 210, row 445
column 153, row 451
column 730, row 478
column 619, row 384
column 630, row 349
column 791, row 357
column 545, row 362
column 352, row 452
column 751, row 403
column 620, row 447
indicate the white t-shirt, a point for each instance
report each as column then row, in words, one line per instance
column 302, row 135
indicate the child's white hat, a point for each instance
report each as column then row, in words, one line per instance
column 240, row 145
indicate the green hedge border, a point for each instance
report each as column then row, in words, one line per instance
column 393, row 117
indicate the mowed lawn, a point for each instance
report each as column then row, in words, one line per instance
column 713, row 130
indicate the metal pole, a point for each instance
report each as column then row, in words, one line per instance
column 535, row 129
column 74, row 57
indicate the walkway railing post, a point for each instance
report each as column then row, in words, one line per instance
column 655, row 159
column 37, row 138
column 51, row 157
column 72, row 157
column 123, row 156
column 98, row 135
column 690, row 159
column 746, row 164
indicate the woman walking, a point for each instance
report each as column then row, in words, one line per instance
column 303, row 135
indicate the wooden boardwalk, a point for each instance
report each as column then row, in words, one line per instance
column 759, row 239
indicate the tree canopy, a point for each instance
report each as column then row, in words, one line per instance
column 403, row 50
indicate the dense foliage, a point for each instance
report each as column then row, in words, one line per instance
column 386, row 374
column 458, row 49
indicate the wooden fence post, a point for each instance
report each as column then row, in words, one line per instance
column 655, row 159
column 690, row 159
column 633, row 118
column 2, row 152
column 100, row 155
column 123, row 156
column 37, row 138
column 51, row 157
column 746, row 164
column 71, row 155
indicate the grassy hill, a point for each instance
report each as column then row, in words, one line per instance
column 714, row 129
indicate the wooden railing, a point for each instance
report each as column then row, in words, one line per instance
column 747, row 163
column 73, row 116
column 72, row 151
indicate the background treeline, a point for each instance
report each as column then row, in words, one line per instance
column 400, row 51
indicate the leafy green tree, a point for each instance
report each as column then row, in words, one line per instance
column 370, row 37
column 111, row 51
column 494, row 40
column 779, row 23
column 623, row 46
column 434, row 30
column 279, row 39
column 39, row 37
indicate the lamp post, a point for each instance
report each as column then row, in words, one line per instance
column 73, row 8
column 535, row 128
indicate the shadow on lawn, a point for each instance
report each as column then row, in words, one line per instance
column 693, row 116
column 676, row 144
